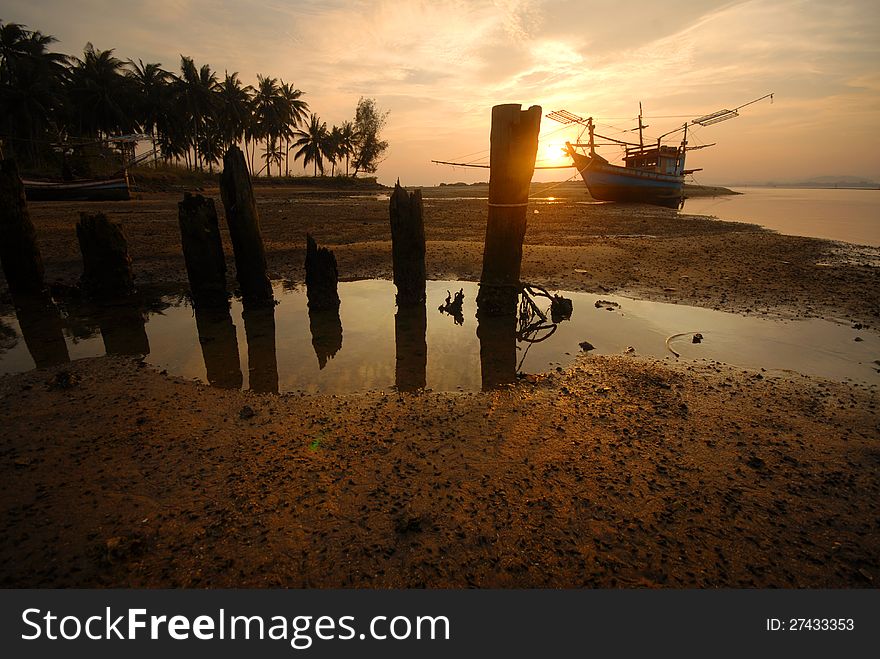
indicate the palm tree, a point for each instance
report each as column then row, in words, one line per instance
column 295, row 110
column 101, row 96
column 31, row 88
column 196, row 89
column 269, row 117
column 151, row 82
column 333, row 148
column 312, row 142
column 347, row 142
column 234, row 109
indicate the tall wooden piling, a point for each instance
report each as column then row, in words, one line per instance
column 106, row 263
column 203, row 251
column 19, row 254
column 322, row 277
column 244, row 229
column 408, row 245
column 513, row 146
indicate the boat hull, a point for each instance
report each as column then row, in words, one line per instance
column 115, row 189
column 608, row 182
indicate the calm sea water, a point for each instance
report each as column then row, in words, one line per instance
column 851, row 216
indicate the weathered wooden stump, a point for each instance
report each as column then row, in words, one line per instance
column 19, row 254
column 106, row 263
column 259, row 328
column 322, row 277
column 513, row 145
column 203, row 251
column 219, row 347
column 408, row 245
column 326, row 328
column 244, row 229
column 410, row 327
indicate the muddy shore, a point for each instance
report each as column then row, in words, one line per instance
column 616, row 472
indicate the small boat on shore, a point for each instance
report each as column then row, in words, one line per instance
column 108, row 189
column 652, row 173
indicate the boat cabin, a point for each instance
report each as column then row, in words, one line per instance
column 663, row 159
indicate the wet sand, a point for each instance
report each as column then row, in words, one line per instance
column 618, row 472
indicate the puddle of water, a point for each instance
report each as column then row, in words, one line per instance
column 369, row 344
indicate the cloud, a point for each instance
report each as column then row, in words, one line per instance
column 439, row 66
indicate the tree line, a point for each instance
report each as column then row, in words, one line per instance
column 192, row 116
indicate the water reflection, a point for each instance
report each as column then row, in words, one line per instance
column 497, row 334
column 123, row 328
column 43, row 331
column 287, row 349
column 326, row 329
column 259, row 327
column 219, row 347
column 410, row 330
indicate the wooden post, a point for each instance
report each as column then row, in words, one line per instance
column 106, row 263
column 19, row 254
column 408, row 245
column 513, row 146
column 244, row 229
column 322, row 277
column 203, row 251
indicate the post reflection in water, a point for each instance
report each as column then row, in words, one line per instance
column 410, row 328
column 123, row 328
column 219, row 347
column 497, row 335
column 326, row 329
column 259, row 328
column 42, row 331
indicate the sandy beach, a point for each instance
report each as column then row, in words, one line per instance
column 618, row 471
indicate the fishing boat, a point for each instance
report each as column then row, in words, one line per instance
column 107, row 189
column 651, row 173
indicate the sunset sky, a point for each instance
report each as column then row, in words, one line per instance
column 439, row 66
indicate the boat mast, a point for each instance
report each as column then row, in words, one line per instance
column 641, row 139
column 684, row 141
column 592, row 137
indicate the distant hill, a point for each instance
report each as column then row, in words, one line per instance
column 818, row 182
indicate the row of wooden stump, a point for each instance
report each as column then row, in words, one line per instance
column 107, row 270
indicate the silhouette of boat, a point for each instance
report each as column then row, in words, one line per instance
column 652, row 173
column 107, row 189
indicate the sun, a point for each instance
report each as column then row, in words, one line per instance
column 552, row 153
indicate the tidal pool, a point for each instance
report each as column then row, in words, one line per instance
column 370, row 344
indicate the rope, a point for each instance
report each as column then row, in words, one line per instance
column 676, row 336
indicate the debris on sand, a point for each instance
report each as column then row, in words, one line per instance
column 246, row 412
column 586, row 346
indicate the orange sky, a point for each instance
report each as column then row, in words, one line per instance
column 439, row 66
